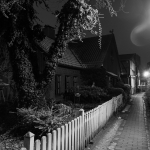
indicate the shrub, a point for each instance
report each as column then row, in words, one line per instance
column 147, row 96
column 97, row 75
column 115, row 91
column 126, row 88
column 93, row 94
column 42, row 121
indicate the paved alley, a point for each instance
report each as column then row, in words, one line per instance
column 132, row 133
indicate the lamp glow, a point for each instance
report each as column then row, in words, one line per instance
column 146, row 74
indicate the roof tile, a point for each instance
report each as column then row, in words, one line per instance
column 84, row 54
column 89, row 51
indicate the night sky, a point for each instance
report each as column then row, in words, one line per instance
column 135, row 25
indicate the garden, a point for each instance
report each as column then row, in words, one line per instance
column 16, row 122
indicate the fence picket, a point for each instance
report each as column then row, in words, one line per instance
column 37, row 144
column 54, row 140
column 43, row 143
column 75, row 134
column 62, row 138
column 90, row 121
column 58, row 138
column 88, row 127
column 72, row 133
column 85, row 129
column 69, row 136
column 29, row 141
column 78, row 131
column 66, row 136
column 49, row 141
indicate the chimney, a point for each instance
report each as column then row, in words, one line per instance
column 49, row 32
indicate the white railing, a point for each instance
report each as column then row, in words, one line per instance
column 76, row 134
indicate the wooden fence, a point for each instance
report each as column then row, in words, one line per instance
column 78, row 133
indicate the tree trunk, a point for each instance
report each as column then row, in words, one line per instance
column 23, row 75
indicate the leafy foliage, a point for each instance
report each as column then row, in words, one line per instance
column 42, row 121
column 147, row 96
column 95, row 75
column 87, row 94
column 22, row 32
column 126, row 90
column 93, row 94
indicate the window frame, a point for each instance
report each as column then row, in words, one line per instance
column 57, row 84
column 75, row 81
column 67, row 83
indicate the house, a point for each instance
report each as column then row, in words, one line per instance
column 130, row 70
column 84, row 58
column 94, row 58
column 67, row 75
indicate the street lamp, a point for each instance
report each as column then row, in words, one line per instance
column 146, row 74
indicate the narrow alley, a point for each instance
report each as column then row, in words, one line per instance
column 132, row 133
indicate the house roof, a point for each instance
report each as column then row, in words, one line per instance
column 88, row 51
column 68, row 59
column 86, row 54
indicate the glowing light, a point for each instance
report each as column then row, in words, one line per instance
column 146, row 74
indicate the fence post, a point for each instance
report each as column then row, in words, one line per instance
column 83, row 132
column 29, row 141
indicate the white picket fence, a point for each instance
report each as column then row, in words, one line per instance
column 76, row 134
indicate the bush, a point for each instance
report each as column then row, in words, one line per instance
column 147, row 96
column 115, row 91
column 93, row 94
column 126, row 88
column 44, row 120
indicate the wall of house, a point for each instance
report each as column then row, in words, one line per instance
column 133, row 76
column 125, row 67
column 63, row 72
column 111, row 62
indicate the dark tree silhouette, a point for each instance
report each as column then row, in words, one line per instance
column 21, row 34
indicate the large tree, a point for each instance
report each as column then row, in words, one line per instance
column 21, row 33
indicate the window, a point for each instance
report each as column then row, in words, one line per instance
column 75, row 78
column 57, row 84
column 67, row 83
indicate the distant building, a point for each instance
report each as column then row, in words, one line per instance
column 148, row 66
column 130, row 70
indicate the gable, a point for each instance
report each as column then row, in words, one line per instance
column 89, row 51
column 69, row 59
column 111, row 61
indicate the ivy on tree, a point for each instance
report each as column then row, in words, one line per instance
column 20, row 30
